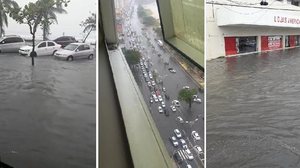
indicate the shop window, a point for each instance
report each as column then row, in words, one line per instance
column 271, row 42
column 246, row 44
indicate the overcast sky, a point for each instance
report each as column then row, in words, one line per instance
column 78, row 10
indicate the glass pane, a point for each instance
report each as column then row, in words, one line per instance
column 188, row 20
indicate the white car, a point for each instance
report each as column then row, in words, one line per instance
column 198, row 149
column 174, row 141
column 155, row 98
column 164, row 89
column 151, row 100
column 185, row 87
column 180, row 119
column 177, row 133
column 173, row 108
column 195, row 135
column 176, row 103
column 189, row 154
column 153, row 83
column 160, row 110
column 41, row 49
column 196, row 99
column 149, row 83
column 183, row 143
column 163, row 104
column 160, row 98
column 75, row 51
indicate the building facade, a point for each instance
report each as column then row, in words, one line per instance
column 236, row 27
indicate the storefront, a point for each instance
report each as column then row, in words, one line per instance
column 251, row 28
column 239, row 45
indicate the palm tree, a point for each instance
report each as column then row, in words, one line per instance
column 186, row 95
column 89, row 25
column 5, row 7
column 49, row 17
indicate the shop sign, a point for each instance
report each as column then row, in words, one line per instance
column 274, row 42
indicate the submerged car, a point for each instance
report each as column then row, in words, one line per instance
column 11, row 43
column 75, row 51
column 41, row 49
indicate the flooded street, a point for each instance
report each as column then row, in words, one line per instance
column 48, row 114
column 253, row 116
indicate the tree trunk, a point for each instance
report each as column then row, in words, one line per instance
column 87, row 35
column 44, row 34
column 33, row 47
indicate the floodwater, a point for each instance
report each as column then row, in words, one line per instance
column 253, row 111
column 47, row 112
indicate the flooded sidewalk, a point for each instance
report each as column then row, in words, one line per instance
column 253, row 117
column 47, row 112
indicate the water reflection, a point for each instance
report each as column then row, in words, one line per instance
column 253, row 115
column 47, row 112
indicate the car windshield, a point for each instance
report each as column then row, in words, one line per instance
column 71, row 47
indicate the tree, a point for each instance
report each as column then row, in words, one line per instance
column 49, row 17
column 187, row 95
column 89, row 25
column 5, row 8
column 33, row 14
column 132, row 57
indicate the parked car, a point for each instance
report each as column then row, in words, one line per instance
column 43, row 48
column 195, row 135
column 75, row 51
column 11, row 43
column 185, row 87
column 65, row 40
column 174, row 141
column 177, row 133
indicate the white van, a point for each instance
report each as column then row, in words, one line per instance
column 11, row 43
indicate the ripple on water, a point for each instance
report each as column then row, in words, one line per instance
column 253, row 117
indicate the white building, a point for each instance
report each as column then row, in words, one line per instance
column 236, row 27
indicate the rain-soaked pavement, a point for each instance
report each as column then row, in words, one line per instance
column 47, row 112
column 253, row 111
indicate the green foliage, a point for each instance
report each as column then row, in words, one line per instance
column 89, row 25
column 132, row 56
column 6, row 7
column 187, row 95
column 145, row 15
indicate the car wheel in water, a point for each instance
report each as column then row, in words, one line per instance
column 53, row 52
column 70, row 58
column 90, row 56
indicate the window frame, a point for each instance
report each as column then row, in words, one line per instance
column 167, row 27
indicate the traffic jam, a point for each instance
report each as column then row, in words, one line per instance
column 160, row 79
